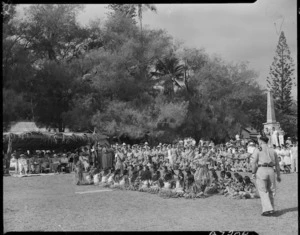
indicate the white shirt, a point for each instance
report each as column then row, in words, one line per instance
column 281, row 139
column 287, row 157
column 250, row 149
column 275, row 138
column 294, row 152
column 280, row 152
column 170, row 156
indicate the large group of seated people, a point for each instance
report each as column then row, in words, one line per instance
column 234, row 156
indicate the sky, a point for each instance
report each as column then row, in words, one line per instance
column 236, row 32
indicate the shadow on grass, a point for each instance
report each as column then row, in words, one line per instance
column 284, row 211
column 83, row 184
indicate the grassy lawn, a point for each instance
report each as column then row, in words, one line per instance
column 54, row 203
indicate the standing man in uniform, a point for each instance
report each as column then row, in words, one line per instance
column 264, row 161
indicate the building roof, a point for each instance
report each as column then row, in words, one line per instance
column 25, row 127
column 250, row 130
column 20, row 127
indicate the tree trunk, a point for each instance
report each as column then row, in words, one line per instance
column 60, row 126
column 141, row 31
column 9, row 147
column 32, row 113
column 119, row 139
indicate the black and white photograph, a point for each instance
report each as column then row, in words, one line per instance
column 154, row 117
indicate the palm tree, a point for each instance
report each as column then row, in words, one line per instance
column 144, row 7
column 170, row 67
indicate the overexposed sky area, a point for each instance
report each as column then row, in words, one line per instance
column 236, row 32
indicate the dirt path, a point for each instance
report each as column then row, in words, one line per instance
column 50, row 203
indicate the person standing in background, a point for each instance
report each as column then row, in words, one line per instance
column 104, row 157
column 281, row 136
column 99, row 156
column 287, row 157
column 275, row 137
column 267, row 133
column 294, row 157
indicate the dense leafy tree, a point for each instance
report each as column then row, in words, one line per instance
column 17, row 71
column 127, row 10
column 103, row 77
column 222, row 94
column 53, row 94
column 52, row 32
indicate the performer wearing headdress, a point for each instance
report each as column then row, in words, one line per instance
column 202, row 177
column 189, row 181
column 119, row 162
column 79, row 173
column 179, row 177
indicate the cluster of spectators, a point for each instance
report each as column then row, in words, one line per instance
column 288, row 157
column 40, row 161
column 234, row 156
column 154, row 170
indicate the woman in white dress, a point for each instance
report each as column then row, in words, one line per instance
column 275, row 137
column 287, row 157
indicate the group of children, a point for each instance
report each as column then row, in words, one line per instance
column 167, row 182
column 175, row 170
column 237, row 187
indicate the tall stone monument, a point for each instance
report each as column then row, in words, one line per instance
column 271, row 120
